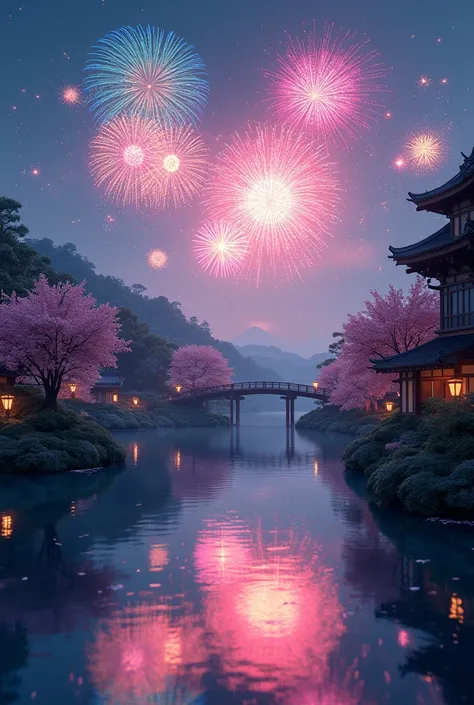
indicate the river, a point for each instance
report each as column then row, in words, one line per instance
column 224, row 567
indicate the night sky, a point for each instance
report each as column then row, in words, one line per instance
column 44, row 45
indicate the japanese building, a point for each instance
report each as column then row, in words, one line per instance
column 443, row 367
column 107, row 389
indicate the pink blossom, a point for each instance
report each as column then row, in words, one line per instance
column 395, row 445
column 387, row 326
column 57, row 335
column 199, row 366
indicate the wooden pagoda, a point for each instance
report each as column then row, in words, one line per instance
column 444, row 367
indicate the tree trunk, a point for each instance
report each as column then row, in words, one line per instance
column 50, row 399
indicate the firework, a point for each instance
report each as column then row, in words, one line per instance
column 424, row 81
column 181, row 166
column 425, row 151
column 157, row 259
column 122, row 157
column 327, row 83
column 220, row 248
column 148, row 72
column 280, row 189
column 71, row 96
column 399, row 163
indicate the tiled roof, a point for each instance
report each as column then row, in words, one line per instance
column 466, row 170
column 442, row 350
column 7, row 373
column 109, row 381
column 439, row 239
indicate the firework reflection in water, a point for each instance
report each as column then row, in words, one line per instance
column 144, row 651
column 272, row 611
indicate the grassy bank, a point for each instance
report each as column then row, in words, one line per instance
column 330, row 419
column 424, row 464
column 56, row 441
column 162, row 414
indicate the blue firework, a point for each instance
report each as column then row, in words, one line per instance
column 146, row 72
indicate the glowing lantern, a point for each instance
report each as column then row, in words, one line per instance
column 315, row 385
column 178, row 388
column 72, row 389
column 115, row 398
column 6, row 526
column 389, row 406
column 455, row 386
column 135, row 401
column 7, row 401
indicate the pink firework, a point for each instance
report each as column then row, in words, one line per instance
column 327, row 83
column 70, row 95
column 220, row 248
column 123, row 156
column 181, row 166
column 157, row 259
column 280, row 189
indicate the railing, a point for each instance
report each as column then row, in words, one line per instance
column 307, row 389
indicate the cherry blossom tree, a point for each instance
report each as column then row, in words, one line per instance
column 198, row 366
column 57, row 335
column 388, row 325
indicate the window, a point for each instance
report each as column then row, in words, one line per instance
column 458, row 306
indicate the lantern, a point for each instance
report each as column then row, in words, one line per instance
column 389, row 406
column 72, row 389
column 315, row 385
column 115, row 398
column 455, row 386
column 178, row 388
column 7, row 401
column 135, row 401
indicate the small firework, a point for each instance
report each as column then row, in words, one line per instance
column 425, row 151
column 280, row 189
column 444, row 81
column 123, row 155
column 181, row 166
column 157, row 259
column 424, row 81
column 327, row 84
column 35, row 171
column 70, row 96
column 147, row 72
column 220, row 248
column 388, row 115
column 399, row 163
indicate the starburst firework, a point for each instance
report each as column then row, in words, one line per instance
column 181, row 166
column 148, row 72
column 425, row 151
column 70, row 95
column 157, row 259
column 280, row 189
column 220, row 248
column 327, row 84
column 123, row 156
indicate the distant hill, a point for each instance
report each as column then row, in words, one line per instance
column 255, row 336
column 165, row 318
column 289, row 366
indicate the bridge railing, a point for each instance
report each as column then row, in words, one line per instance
column 263, row 385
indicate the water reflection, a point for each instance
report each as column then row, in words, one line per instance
column 270, row 600
column 143, row 652
column 228, row 567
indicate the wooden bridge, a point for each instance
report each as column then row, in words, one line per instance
column 237, row 391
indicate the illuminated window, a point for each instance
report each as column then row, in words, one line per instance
column 115, row 397
column 7, row 526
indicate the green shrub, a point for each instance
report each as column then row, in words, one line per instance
column 366, row 455
column 422, row 493
column 386, row 479
column 56, row 441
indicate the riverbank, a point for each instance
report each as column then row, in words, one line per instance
column 161, row 414
column 56, row 441
column 329, row 419
column 424, row 464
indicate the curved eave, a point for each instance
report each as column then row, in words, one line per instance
column 441, row 238
column 436, row 198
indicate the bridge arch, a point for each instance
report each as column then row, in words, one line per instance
column 289, row 391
